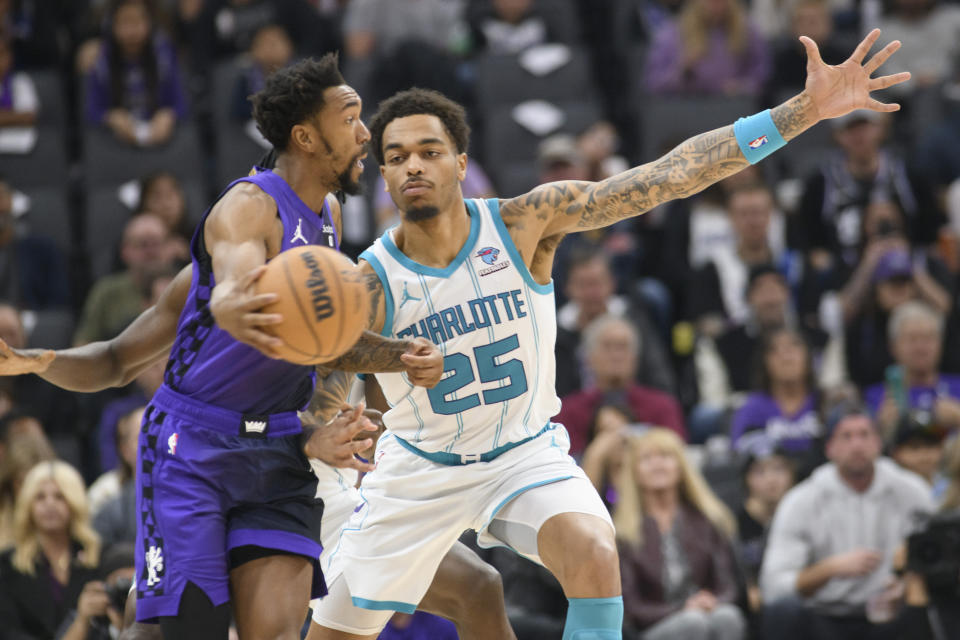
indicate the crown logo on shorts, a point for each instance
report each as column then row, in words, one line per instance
column 255, row 426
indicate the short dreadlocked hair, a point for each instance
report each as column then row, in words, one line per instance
column 417, row 102
column 292, row 95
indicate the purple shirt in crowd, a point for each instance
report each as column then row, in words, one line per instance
column 715, row 73
column 169, row 88
column 919, row 397
column 423, row 627
column 761, row 422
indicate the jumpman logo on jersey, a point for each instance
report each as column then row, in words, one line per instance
column 298, row 234
column 406, row 296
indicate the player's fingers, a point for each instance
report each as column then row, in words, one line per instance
column 887, row 81
column 886, row 107
column 880, row 57
column 262, row 319
column 813, row 52
column 359, row 465
column 864, row 47
column 251, row 276
column 258, row 301
column 4, row 348
column 418, row 361
column 263, row 342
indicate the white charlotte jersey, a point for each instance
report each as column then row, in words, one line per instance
column 496, row 328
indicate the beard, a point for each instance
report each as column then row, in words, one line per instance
column 419, row 214
column 346, row 182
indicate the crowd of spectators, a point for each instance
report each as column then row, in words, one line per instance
column 762, row 381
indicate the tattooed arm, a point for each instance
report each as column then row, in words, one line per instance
column 420, row 359
column 562, row 207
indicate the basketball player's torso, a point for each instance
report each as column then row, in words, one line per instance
column 496, row 328
column 206, row 363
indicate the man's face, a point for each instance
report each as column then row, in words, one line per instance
column 860, row 140
column 750, row 213
column 812, row 20
column 917, row 345
column 614, row 354
column 769, row 299
column 590, row 285
column 422, row 168
column 338, row 137
column 11, row 328
column 854, row 445
column 145, row 245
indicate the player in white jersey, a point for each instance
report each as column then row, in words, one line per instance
column 479, row 450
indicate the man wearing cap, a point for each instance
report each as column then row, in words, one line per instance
column 914, row 382
column 860, row 172
column 834, row 535
column 917, row 446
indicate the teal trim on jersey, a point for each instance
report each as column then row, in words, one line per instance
column 536, row 346
column 387, row 293
column 493, row 204
column 456, row 460
column 384, row 605
column 416, row 267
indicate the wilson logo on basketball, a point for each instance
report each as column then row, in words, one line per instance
column 319, row 291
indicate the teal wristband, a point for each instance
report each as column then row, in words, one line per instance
column 757, row 136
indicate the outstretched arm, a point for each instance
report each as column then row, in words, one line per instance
column 110, row 363
column 830, row 92
column 419, row 358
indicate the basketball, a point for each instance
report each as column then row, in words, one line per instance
column 323, row 301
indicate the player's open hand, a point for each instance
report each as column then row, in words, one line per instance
column 16, row 362
column 349, row 433
column 423, row 363
column 838, row 90
column 238, row 311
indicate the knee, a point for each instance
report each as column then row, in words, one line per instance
column 692, row 625
column 487, row 587
column 601, row 553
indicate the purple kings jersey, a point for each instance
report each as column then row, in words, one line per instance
column 206, row 363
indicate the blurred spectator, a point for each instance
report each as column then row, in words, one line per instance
column 929, row 32
column 833, row 537
column 886, row 243
column 611, row 348
column 914, row 381
column 139, row 393
column 598, row 146
column 767, row 475
column 716, row 292
column 725, row 364
column 271, row 49
column 783, row 413
column 110, row 484
column 134, row 88
column 418, row 626
column 475, row 184
column 42, row 30
column 590, row 288
column 951, row 497
column 115, row 520
column 860, row 173
column 23, row 445
column 117, row 299
column 938, row 151
column 712, row 48
column 894, row 282
column 53, row 567
column 603, row 457
column 917, row 445
column 510, row 26
column 674, row 538
column 33, row 273
column 811, row 18
column 377, row 27
column 162, row 195
column 19, row 103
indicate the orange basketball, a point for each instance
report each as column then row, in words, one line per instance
column 323, row 301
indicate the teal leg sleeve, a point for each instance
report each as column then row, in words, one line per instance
column 594, row 619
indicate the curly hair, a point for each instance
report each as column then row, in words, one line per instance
column 293, row 94
column 416, row 102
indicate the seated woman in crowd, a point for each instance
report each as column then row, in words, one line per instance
column 162, row 195
column 783, row 412
column 674, row 538
column 52, row 569
column 23, row 444
column 134, row 88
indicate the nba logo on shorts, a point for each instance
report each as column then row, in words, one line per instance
column 758, row 142
column 172, row 444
